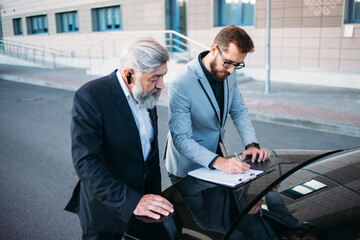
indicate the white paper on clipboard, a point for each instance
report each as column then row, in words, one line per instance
column 230, row 180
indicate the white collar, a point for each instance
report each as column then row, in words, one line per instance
column 123, row 85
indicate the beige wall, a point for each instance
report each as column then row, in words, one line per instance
column 136, row 15
column 304, row 35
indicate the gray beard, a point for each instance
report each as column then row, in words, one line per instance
column 147, row 101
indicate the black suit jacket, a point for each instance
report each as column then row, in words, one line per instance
column 107, row 156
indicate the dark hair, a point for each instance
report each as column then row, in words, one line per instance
column 236, row 35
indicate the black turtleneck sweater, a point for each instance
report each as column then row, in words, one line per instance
column 216, row 86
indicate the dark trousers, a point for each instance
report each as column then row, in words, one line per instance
column 92, row 234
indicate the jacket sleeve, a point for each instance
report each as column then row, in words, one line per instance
column 241, row 117
column 181, row 129
column 87, row 140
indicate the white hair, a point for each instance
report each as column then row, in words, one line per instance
column 143, row 55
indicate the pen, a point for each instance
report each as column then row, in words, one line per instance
column 238, row 157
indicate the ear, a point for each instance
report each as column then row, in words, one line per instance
column 213, row 49
column 128, row 73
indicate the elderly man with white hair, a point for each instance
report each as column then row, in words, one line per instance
column 114, row 144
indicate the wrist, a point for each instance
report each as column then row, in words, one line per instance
column 217, row 163
column 253, row 144
column 211, row 164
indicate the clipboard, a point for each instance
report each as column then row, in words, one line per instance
column 227, row 180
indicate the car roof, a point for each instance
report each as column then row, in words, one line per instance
column 320, row 189
column 336, row 173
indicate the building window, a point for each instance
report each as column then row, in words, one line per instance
column 236, row 12
column 17, row 26
column 37, row 24
column 67, row 22
column 352, row 11
column 105, row 19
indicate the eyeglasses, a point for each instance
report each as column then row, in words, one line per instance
column 230, row 64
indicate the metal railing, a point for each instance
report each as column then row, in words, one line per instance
column 33, row 53
column 179, row 46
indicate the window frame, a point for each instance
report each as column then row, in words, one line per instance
column 17, row 26
column 104, row 19
column 349, row 8
column 41, row 22
column 64, row 26
column 217, row 18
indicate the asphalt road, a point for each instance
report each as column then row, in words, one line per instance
column 36, row 172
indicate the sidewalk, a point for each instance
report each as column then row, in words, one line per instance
column 333, row 110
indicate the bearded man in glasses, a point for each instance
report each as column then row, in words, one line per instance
column 201, row 98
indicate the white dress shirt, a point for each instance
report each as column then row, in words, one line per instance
column 142, row 119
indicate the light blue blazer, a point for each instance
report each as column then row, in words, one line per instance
column 194, row 119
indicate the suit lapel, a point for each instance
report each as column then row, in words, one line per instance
column 226, row 101
column 122, row 105
column 205, row 85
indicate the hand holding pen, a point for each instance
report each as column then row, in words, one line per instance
column 231, row 165
column 238, row 157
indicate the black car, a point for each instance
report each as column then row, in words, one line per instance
column 306, row 194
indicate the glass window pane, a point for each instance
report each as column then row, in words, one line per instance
column 228, row 12
column 70, row 21
column 182, row 12
column 346, row 12
column 101, row 17
column 20, row 26
column 109, row 18
column 17, row 26
column 356, row 14
column 76, row 22
column 40, row 24
column 248, row 14
column 34, row 25
column 117, row 17
column 45, row 23
column 237, row 12
column 64, row 27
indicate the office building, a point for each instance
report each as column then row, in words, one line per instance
column 308, row 37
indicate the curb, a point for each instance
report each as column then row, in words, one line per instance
column 37, row 82
column 328, row 127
